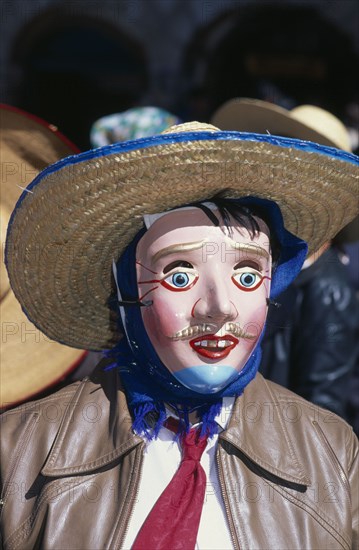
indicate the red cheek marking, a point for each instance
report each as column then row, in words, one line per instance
column 148, row 282
column 145, row 294
column 148, row 269
column 194, row 305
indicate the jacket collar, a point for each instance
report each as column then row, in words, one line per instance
column 96, row 430
column 258, row 428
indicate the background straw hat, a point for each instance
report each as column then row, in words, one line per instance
column 79, row 214
column 306, row 122
column 29, row 361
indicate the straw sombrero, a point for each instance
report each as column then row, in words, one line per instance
column 303, row 122
column 29, row 361
column 79, row 214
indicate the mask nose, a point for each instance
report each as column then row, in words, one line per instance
column 215, row 305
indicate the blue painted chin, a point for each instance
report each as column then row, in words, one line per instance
column 206, row 379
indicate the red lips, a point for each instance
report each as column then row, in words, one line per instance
column 214, row 347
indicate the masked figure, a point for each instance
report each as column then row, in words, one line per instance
column 166, row 252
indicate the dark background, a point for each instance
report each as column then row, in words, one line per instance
column 73, row 62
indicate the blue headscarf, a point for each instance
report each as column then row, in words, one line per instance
column 148, row 383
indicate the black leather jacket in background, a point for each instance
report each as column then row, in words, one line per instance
column 310, row 345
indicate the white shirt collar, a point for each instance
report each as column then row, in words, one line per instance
column 224, row 415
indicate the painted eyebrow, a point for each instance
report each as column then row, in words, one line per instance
column 173, row 248
column 252, row 249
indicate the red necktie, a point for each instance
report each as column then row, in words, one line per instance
column 174, row 520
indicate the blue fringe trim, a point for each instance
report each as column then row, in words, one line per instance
column 142, row 421
column 209, row 425
column 149, row 428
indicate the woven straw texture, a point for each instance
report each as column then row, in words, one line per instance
column 71, row 225
column 28, row 145
column 29, row 361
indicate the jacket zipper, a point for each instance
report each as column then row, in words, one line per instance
column 137, row 473
column 226, row 503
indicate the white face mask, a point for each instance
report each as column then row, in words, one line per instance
column 208, row 292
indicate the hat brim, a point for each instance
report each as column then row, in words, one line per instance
column 29, row 361
column 261, row 117
column 81, row 213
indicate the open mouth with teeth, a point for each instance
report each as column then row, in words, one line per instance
column 214, row 347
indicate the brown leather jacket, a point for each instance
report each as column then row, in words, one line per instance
column 71, row 466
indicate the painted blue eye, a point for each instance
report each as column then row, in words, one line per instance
column 248, row 279
column 180, row 280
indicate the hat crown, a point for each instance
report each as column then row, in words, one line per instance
column 305, row 122
column 191, row 127
column 324, row 123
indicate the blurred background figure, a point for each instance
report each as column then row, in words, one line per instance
column 30, row 363
column 131, row 124
column 311, row 344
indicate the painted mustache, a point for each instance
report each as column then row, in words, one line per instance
column 207, row 328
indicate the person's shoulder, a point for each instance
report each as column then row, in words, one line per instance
column 50, row 410
column 37, row 423
column 37, row 406
column 309, row 410
column 326, row 272
column 42, row 415
column 303, row 417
